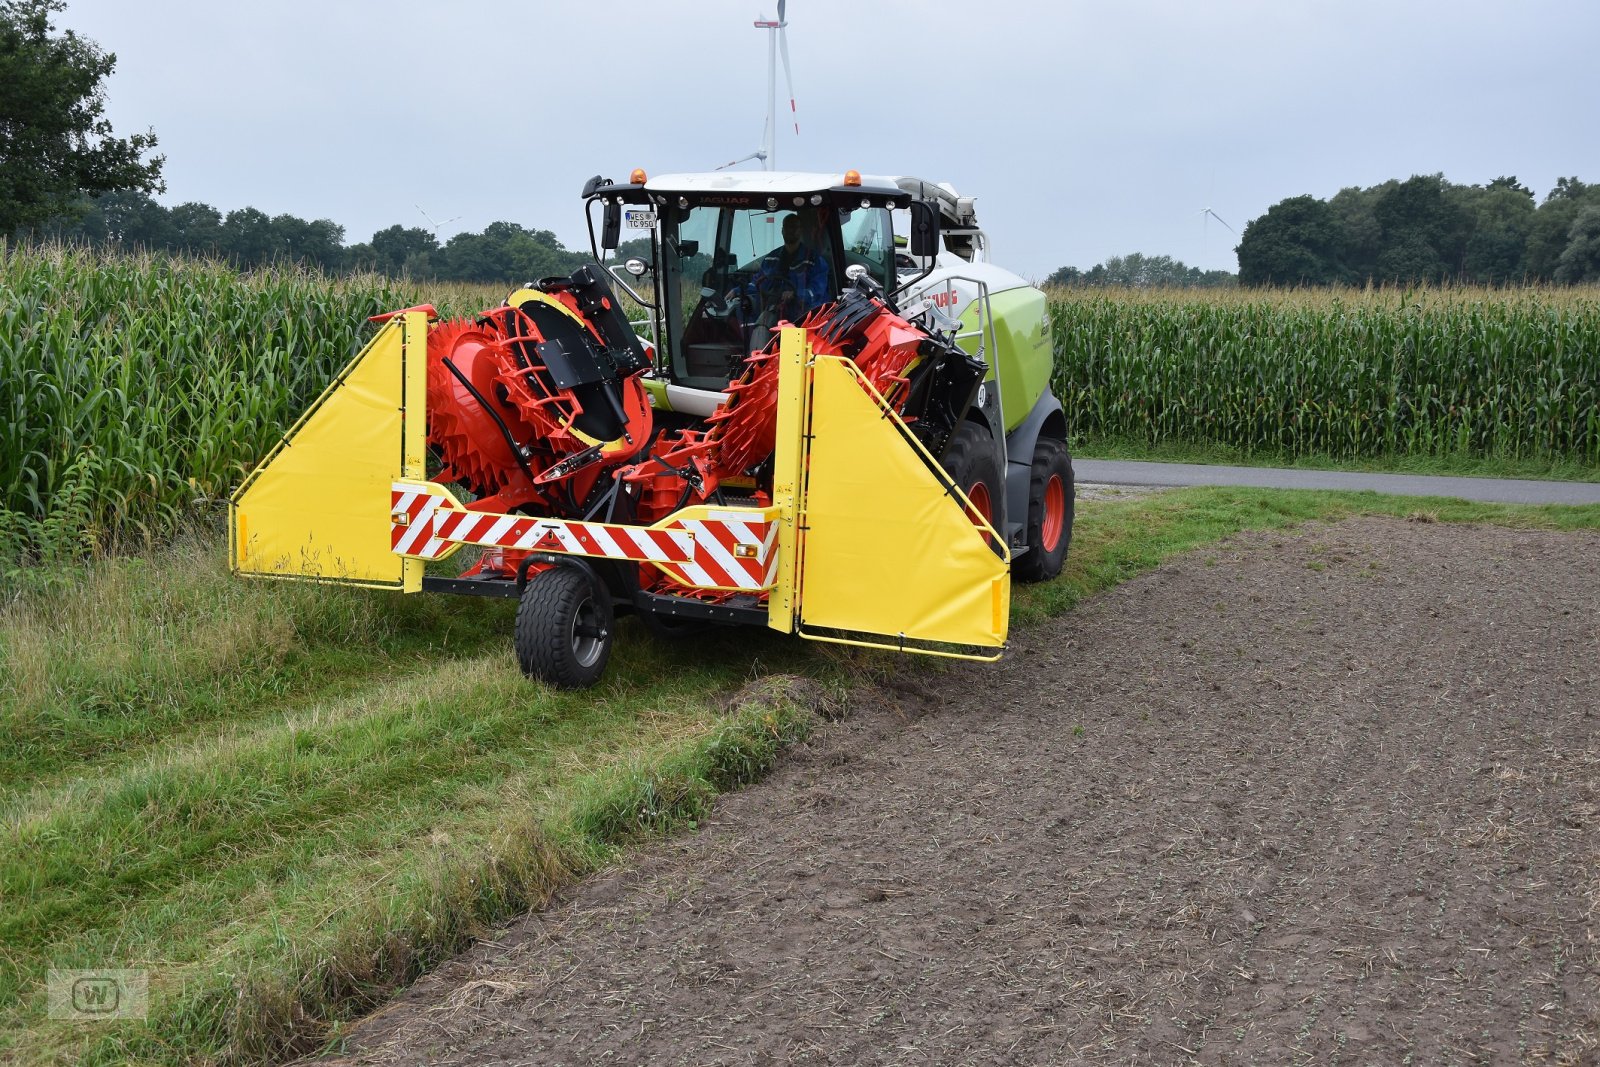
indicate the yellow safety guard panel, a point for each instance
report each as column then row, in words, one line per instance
column 888, row 554
column 318, row 506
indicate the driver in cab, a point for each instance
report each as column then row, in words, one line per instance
column 792, row 278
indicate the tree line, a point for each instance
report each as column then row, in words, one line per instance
column 1427, row 230
column 65, row 175
column 1140, row 271
column 501, row 251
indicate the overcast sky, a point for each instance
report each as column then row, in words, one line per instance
column 1085, row 130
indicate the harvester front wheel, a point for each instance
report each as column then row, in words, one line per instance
column 564, row 628
column 970, row 461
column 1050, row 510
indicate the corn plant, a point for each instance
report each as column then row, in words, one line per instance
column 1511, row 374
column 176, row 374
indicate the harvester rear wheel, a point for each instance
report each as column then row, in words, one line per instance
column 564, row 628
column 1050, row 510
column 970, row 461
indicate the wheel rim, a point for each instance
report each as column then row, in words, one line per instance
column 1055, row 513
column 587, row 636
column 982, row 507
column 982, row 510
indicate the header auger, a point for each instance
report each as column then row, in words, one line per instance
column 771, row 457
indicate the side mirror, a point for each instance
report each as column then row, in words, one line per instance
column 635, row 267
column 611, row 231
column 924, row 230
column 688, row 248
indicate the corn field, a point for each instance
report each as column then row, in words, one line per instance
column 1476, row 373
column 134, row 386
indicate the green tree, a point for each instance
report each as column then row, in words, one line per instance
column 507, row 252
column 56, row 146
column 196, row 228
column 247, row 236
column 134, row 220
column 1066, row 277
column 1553, row 222
column 1297, row 242
column 1140, row 271
column 395, row 248
column 639, row 246
column 319, row 243
column 1422, row 231
column 1360, row 237
column 1580, row 260
column 1502, row 216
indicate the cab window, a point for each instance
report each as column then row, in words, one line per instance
column 869, row 240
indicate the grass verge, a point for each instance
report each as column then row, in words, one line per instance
column 285, row 801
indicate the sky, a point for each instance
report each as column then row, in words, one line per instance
column 1085, row 130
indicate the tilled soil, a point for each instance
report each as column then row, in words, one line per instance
column 1325, row 797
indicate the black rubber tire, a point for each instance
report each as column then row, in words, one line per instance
column 565, row 629
column 970, row 461
column 1050, row 460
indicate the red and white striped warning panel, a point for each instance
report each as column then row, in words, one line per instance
column 733, row 550
column 713, row 549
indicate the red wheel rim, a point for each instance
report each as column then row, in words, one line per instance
column 978, row 494
column 1055, row 513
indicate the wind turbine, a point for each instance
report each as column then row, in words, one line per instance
column 777, row 42
column 436, row 225
column 1207, row 214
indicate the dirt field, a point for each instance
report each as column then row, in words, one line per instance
column 1325, row 797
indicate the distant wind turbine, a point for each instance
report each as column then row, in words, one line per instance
column 436, row 225
column 777, row 42
column 1206, row 213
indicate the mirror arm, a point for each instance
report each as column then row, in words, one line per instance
column 903, row 286
column 588, row 219
column 612, row 270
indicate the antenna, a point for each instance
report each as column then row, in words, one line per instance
column 777, row 42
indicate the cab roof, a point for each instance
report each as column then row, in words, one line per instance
column 765, row 181
column 958, row 210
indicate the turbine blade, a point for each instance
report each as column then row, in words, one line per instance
column 1220, row 219
column 781, row 5
column 788, row 78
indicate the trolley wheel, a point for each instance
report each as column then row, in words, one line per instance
column 1050, row 510
column 564, row 628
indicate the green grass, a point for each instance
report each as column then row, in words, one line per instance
column 300, row 795
column 285, row 800
column 1449, row 464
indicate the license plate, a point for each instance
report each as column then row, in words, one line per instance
column 640, row 220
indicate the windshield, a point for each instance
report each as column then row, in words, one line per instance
column 731, row 275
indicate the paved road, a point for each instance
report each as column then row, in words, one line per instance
column 1496, row 490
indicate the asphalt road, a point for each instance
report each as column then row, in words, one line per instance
column 1494, row 490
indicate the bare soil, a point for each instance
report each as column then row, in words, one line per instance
column 1327, row 797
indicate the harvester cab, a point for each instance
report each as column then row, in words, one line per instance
column 788, row 429
column 722, row 270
